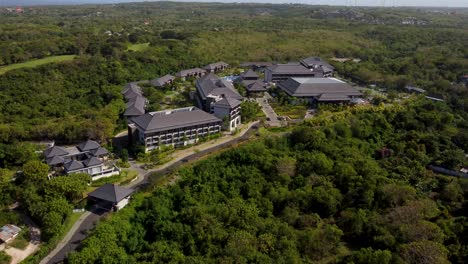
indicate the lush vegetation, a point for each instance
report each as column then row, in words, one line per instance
column 35, row 63
column 79, row 99
column 349, row 186
column 346, row 187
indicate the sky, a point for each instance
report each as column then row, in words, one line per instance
column 436, row 3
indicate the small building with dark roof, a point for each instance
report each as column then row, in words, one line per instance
column 176, row 127
column 87, row 157
column 195, row 72
column 136, row 102
column 215, row 95
column 256, row 89
column 256, row 65
column 318, row 65
column 216, row 67
column 281, row 72
column 319, row 90
column 163, row 81
column 111, row 196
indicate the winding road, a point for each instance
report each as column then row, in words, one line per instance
column 88, row 220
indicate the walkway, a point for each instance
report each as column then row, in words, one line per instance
column 272, row 117
column 89, row 219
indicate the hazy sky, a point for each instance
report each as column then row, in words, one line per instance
column 438, row 3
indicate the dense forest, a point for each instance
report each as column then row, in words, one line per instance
column 350, row 185
column 80, row 99
column 346, row 187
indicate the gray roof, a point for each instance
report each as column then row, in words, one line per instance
column 185, row 73
column 99, row 151
column 111, row 193
column 131, row 90
column 161, row 81
column 317, row 61
column 135, row 106
column 229, row 102
column 250, row 74
column 88, row 145
column 55, row 151
column 255, row 64
column 173, row 119
column 290, row 68
column 257, row 86
column 73, row 165
column 216, row 65
column 212, row 85
column 54, row 160
column 93, row 161
column 325, row 88
column 415, row 89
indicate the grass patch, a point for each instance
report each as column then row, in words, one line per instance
column 22, row 240
column 293, row 111
column 35, row 63
column 4, row 258
column 138, row 47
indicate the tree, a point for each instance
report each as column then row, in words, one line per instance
column 425, row 252
column 35, row 171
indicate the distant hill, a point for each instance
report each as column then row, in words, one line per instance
column 58, row 2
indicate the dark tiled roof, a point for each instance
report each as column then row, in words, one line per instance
column 172, row 119
column 131, row 90
column 326, row 97
column 73, row 165
column 159, row 82
column 55, row 151
column 317, row 61
column 185, row 73
column 88, row 145
column 211, row 84
column 249, row 75
column 111, row 193
column 290, row 68
column 317, row 87
column 93, row 161
column 229, row 102
column 54, row 160
column 135, row 106
column 257, row 86
column 214, row 66
column 255, row 64
column 99, row 152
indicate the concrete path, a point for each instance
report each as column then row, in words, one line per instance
column 89, row 219
column 272, row 117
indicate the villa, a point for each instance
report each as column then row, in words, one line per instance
column 163, row 81
column 195, row 72
column 87, row 157
column 216, row 67
column 136, row 102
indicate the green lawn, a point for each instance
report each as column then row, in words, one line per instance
column 138, row 47
column 35, row 63
column 293, row 111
